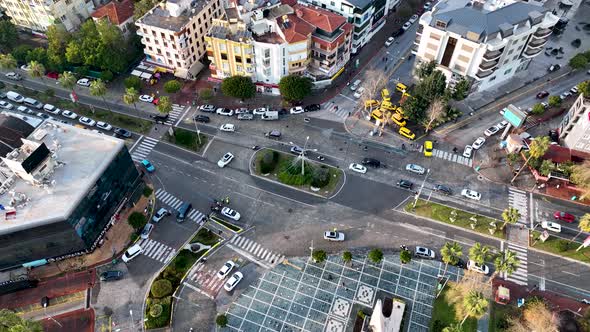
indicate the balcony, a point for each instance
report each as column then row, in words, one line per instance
column 420, row 29
column 487, row 65
column 483, row 74
column 417, row 40
column 532, row 52
column 536, row 43
column 542, row 33
column 493, row 55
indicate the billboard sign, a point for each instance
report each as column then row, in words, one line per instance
column 514, row 116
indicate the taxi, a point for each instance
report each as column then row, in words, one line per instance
column 407, row 133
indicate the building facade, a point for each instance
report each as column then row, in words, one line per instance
column 173, row 34
column 37, row 15
column 60, row 192
column 574, row 130
column 118, row 13
column 487, row 47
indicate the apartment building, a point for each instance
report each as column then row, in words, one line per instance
column 37, row 15
column 487, row 47
column 118, row 12
column 173, row 35
column 574, row 130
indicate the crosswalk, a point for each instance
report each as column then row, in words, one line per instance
column 206, row 279
column 452, row 157
column 518, row 199
column 143, row 148
column 157, row 250
column 520, row 276
column 255, row 250
column 174, row 114
column 339, row 111
column 173, row 202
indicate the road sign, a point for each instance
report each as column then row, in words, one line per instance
column 74, row 97
column 585, row 244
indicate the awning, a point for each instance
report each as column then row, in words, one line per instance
column 191, row 73
column 146, row 76
column 136, row 73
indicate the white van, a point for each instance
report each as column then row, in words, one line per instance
column 355, row 85
column 270, row 115
column 131, row 253
column 33, row 103
column 16, row 97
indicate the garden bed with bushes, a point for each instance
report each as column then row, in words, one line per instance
column 187, row 139
column 560, row 247
column 286, row 169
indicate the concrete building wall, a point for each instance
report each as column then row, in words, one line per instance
column 575, row 127
column 40, row 14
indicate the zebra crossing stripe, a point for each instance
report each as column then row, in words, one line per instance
column 153, row 249
column 255, row 249
column 250, row 246
column 158, row 192
column 149, row 247
column 164, row 196
column 266, row 253
column 233, row 239
column 271, row 259
column 239, row 243
column 247, row 242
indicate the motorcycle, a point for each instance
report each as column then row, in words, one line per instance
column 255, row 147
column 321, row 158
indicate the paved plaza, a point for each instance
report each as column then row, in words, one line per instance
column 305, row 296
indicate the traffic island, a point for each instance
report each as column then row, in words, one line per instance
column 559, row 246
column 305, row 175
column 186, row 139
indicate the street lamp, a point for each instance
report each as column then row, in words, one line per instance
column 302, row 154
column 198, row 131
column 421, row 187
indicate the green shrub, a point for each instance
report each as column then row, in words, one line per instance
column 163, row 319
column 554, row 101
column 133, row 82
column 137, row 220
column 321, row 177
column 133, row 237
column 562, row 245
column 161, row 288
column 181, row 262
column 375, row 256
column 405, row 256
column 156, row 310
column 319, row 256
column 49, row 93
column 268, row 162
column 291, row 174
column 147, row 191
column 107, row 76
column 221, row 321
column 172, row 86
column 538, row 109
column 81, row 71
column 206, row 94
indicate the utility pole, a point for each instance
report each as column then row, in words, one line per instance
column 311, row 250
column 198, row 131
column 303, row 156
column 421, row 187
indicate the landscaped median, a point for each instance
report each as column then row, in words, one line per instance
column 457, row 217
column 158, row 308
column 187, row 139
column 316, row 178
column 561, row 247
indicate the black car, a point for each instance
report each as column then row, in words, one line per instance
column 120, row 132
column 461, row 264
column 159, row 118
column 111, row 275
column 554, row 136
column 443, row 189
column 553, row 68
column 405, row 184
column 283, row 111
column 542, row 94
column 202, row 118
column 398, row 33
column 371, row 162
column 312, row 108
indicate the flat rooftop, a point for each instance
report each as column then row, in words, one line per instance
column 83, row 154
column 161, row 17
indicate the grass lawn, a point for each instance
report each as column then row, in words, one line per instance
column 226, row 224
column 498, row 314
column 187, row 139
column 206, row 237
column 561, row 247
column 462, row 219
column 443, row 315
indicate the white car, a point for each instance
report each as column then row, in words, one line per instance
column 226, row 159
column 468, row 151
column 424, row 252
column 51, row 109
column 225, row 269
column 25, row 67
column 69, row 114
column 13, row 76
column 357, row 168
column 359, row 92
column 502, row 124
column 472, row 194
column 241, row 110
column 227, row 127
column 147, row 230
column 296, row 110
column 225, row 111
column 233, row 281
column 551, row 226
column 389, row 41
column 478, row 143
column 413, row 19
column 545, row 104
column 232, row 214
column 6, row 105
column 131, row 253
column 491, row 131
column 415, row 169
column 259, row 111
column 427, row 5
column 104, row 126
column 334, row 236
column 23, row 109
column 146, row 98
column 406, row 26
column 83, row 82
column 574, row 90
column 161, row 214
column 87, row 121
column 207, row 108
column 473, row 266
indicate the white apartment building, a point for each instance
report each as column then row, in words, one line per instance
column 173, row 34
column 487, row 47
column 574, row 131
column 37, row 15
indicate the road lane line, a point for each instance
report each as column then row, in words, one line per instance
column 570, row 273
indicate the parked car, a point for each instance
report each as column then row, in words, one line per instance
column 233, row 281
column 551, row 226
column 398, row 33
column 491, row 131
column 131, row 253
column 296, row 150
column 564, row 216
column 313, row 107
column 427, row 5
column 207, row 108
column 404, row 131
column 225, row 269
column 553, row 68
column 83, row 82
column 69, row 114
column 413, row 19
column 160, row 214
column 147, row 230
column 148, row 166
column 225, row 111
column 202, row 118
column 357, row 168
column 87, row 121
column 259, row 111
column 334, row 236
column 389, row 41
column 371, row 162
column 415, row 169
column 542, row 94
column 104, row 126
column 443, row 189
column 226, row 159
column 355, row 85
column 471, row 194
column 359, row 92
column 227, row 127
column 473, row 266
column 6, row 105
column 13, row 76
column 296, row 110
column 564, row 95
column 478, row 143
column 51, row 109
column 232, row 214
column 406, row 25
column 146, row 98
column 241, row 110
column 120, row 132
column 502, row 124
column 424, row 252
column 111, row 275
column 405, row 184
column 574, row 90
column 25, row 67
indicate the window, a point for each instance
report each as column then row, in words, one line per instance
column 238, row 59
column 511, row 51
column 225, row 66
column 515, row 57
column 168, row 54
column 332, row 3
column 492, row 78
column 267, row 53
column 222, row 47
column 441, row 24
column 223, row 56
column 507, row 71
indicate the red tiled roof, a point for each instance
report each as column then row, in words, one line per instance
column 560, row 154
column 117, row 11
column 298, row 30
column 320, row 18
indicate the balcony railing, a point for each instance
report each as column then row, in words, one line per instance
column 493, row 55
column 535, row 43
column 483, row 74
column 531, row 52
column 488, row 65
column 542, row 33
column 417, row 40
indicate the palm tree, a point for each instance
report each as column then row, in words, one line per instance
column 537, row 149
column 164, row 105
column 347, row 257
column 451, row 253
column 453, row 328
column 98, row 89
column 479, row 253
column 37, row 70
column 131, row 96
column 510, row 215
column 506, row 262
column 67, row 80
column 583, row 225
column 475, row 305
column 7, row 61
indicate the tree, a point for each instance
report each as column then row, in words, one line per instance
column 375, row 256
column 546, row 167
column 38, row 54
column 554, row 101
column 536, row 316
column 451, row 253
column 505, row 262
column 8, row 35
column 294, row 87
column 425, row 69
column 161, row 288
column 37, row 70
column 435, row 111
column 143, row 6
column 480, row 253
column 581, row 177
column 131, row 96
column 475, row 305
column 220, row 320
column 583, row 225
column 453, row 328
column 57, row 40
column 11, row 322
column 319, row 256
column 137, row 220
column 106, row 75
column 20, row 53
column 538, row 109
column 375, row 82
column 67, row 80
column 164, row 105
column 510, row 216
column 537, row 149
column 172, row 86
column 347, row 257
column 238, row 87
column 99, row 89
column 578, row 61
column 7, row 61
column 415, row 108
column 432, row 86
column 133, row 82
column 461, row 89
column 584, row 88
column 206, row 94
column 405, row 256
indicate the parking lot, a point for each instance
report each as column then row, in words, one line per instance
column 305, row 296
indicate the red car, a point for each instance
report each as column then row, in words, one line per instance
column 560, row 215
column 542, row 94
